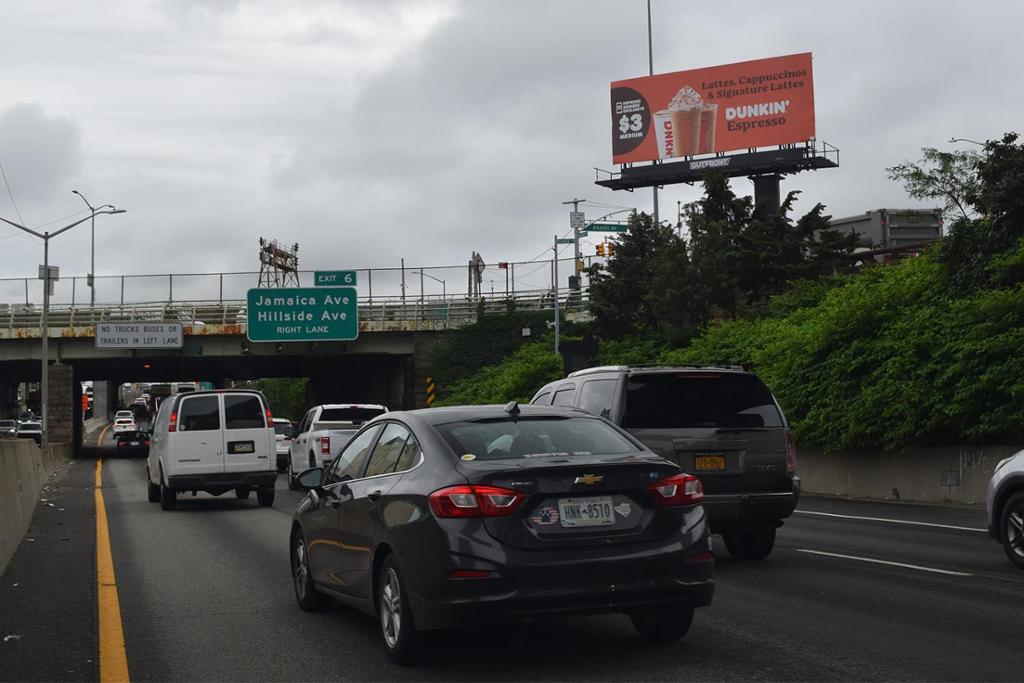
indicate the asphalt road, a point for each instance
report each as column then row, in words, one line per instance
column 205, row 594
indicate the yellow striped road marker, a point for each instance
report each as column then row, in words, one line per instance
column 113, row 656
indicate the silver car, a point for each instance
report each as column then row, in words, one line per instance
column 1004, row 504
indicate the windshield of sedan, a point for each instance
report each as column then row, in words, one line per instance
column 533, row 437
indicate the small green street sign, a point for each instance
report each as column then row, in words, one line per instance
column 282, row 314
column 565, row 240
column 607, row 227
column 334, row 278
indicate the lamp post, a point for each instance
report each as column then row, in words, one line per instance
column 92, row 251
column 44, row 371
column 973, row 142
column 444, row 291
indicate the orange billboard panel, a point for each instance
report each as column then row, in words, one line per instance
column 759, row 103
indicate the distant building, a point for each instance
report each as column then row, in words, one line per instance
column 893, row 228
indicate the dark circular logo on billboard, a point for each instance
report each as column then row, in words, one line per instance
column 631, row 120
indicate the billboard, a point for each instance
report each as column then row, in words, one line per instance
column 751, row 104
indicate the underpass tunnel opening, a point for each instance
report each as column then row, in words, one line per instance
column 307, row 380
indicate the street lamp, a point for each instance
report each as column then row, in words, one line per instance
column 973, row 142
column 444, row 291
column 46, row 237
column 92, row 251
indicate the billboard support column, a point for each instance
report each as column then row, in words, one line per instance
column 650, row 65
column 766, row 192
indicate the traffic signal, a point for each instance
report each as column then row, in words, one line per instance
column 600, row 249
column 610, row 248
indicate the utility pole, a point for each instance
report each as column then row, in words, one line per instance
column 576, row 221
column 650, row 63
column 554, row 266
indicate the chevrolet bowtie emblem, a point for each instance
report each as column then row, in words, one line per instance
column 589, row 479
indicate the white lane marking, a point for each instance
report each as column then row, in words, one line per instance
column 886, row 562
column 893, row 521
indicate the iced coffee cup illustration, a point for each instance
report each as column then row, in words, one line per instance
column 663, row 131
column 708, row 122
column 686, row 110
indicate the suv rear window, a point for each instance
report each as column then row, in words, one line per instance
column 699, row 399
column 283, row 429
column 534, row 438
column 243, row 411
column 353, row 415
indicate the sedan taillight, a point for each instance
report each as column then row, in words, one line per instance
column 475, row 501
column 679, row 489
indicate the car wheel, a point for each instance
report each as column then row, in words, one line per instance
column 292, row 484
column 265, row 497
column 664, row 624
column 168, row 497
column 750, row 544
column 397, row 628
column 242, row 493
column 306, row 594
column 1011, row 527
column 152, row 490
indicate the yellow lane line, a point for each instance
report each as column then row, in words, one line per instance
column 99, row 440
column 113, row 656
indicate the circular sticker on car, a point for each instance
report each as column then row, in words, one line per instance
column 468, row 456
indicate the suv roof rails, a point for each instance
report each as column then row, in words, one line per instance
column 643, row 366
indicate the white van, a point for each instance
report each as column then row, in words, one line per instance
column 212, row 441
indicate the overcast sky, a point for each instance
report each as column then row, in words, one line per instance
column 372, row 130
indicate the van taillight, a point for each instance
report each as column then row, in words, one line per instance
column 790, row 453
column 325, row 445
column 172, row 424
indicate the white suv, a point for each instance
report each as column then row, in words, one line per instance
column 212, row 441
column 1004, row 504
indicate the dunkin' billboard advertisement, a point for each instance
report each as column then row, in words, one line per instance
column 736, row 106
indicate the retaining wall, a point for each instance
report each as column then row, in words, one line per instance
column 24, row 468
column 948, row 474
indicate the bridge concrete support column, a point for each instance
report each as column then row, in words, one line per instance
column 424, row 344
column 101, row 399
column 60, row 407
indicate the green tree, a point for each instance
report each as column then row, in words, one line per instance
column 949, row 176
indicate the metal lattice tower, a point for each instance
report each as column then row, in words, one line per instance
column 279, row 266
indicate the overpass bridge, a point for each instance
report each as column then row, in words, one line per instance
column 387, row 363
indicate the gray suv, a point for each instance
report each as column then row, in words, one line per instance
column 721, row 424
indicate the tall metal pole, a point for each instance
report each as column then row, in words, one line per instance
column 555, row 273
column 575, row 238
column 44, row 390
column 650, row 63
column 92, row 265
column 403, row 280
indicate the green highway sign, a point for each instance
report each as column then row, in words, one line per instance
column 607, row 227
column 565, row 240
column 282, row 314
column 334, row 278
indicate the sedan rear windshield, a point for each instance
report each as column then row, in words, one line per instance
column 30, row 426
column 699, row 399
column 353, row 415
column 534, row 437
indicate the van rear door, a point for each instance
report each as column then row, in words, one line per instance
column 248, row 437
column 197, row 444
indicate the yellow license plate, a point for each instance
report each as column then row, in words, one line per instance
column 709, row 463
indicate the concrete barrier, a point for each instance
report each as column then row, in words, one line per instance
column 951, row 474
column 24, row 468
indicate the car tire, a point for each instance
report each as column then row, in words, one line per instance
column 242, row 493
column 168, row 497
column 750, row 544
column 292, row 484
column 663, row 625
column 394, row 616
column 152, row 490
column 1011, row 528
column 306, row 593
column 265, row 497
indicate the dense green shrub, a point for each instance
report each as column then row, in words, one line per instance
column 517, row 377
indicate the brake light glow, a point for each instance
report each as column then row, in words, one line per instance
column 325, row 445
column 122, row 444
column 172, row 425
column 475, row 501
column 679, row 489
column 270, row 418
column 790, row 453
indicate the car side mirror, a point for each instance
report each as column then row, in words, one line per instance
column 312, row 478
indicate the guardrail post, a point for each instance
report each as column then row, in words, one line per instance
column 369, row 284
column 26, row 291
column 122, row 290
column 170, row 286
column 221, row 296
